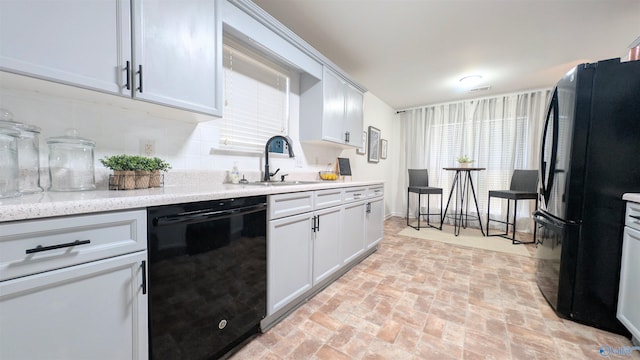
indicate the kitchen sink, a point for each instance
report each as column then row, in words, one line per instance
column 283, row 183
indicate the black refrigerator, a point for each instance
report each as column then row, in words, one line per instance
column 589, row 148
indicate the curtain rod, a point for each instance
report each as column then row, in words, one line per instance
column 473, row 99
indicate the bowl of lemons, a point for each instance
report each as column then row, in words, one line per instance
column 328, row 175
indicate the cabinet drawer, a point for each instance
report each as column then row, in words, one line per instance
column 290, row 204
column 354, row 194
column 29, row 247
column 327, row 198
column 632, row 219
column 375, row 191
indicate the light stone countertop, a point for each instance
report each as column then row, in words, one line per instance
column 631, row 197
column 49, row 204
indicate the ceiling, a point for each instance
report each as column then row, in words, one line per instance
column 413, row 52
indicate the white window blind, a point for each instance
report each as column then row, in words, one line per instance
column 256, row 105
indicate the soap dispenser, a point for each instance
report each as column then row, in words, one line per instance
column 235, row 174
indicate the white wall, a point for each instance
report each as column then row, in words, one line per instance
column 120, row 125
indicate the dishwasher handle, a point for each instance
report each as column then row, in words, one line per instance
column 206, row 215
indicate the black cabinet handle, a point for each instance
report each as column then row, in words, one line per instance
column 635, row 217
column 40, row 248
column 144, row 277
column 140, row 78
column 346, row 137
column 127, row 85
column 368, row 208
column 318, row 225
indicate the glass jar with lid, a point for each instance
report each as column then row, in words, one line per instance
column 71, row 162
column 8, row 163
column 28, row 147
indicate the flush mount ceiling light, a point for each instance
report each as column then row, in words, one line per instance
column 470, row 80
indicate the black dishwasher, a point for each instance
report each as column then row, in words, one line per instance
column 207, row 276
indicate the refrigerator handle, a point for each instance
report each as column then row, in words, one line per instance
column 554, row 148
column 543, row 163
column 547, row 183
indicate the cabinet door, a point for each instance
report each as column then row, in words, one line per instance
column 353, row 115
column 90, row 311
column 352, row 241
column 289, row 259
column 334, row 109
column 178, row 47
column 629, row 294
column 326, row 244
column 77, row 42
column 374, row 221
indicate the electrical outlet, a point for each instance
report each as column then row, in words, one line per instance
column 147, row 147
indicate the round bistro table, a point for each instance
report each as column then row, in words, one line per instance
column 462, row 182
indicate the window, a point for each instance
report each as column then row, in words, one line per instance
column 256, row 100
column 500, row 133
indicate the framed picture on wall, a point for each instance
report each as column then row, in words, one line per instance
column 374, row 144
column 363, row 148
column 383, row 148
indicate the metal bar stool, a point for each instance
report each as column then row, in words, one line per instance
column 523, row 186
column 419, row 184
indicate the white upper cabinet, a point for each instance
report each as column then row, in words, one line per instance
column 83, row 43
column 170, row 54
column 177, row 54
column 330, row 110
column 354, row 117
column 333, row 119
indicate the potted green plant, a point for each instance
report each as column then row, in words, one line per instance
column 123, row 167
column 157, row 167
column 464, row 161
column 142, row 167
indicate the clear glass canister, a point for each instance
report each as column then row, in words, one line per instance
column 28, row 143
column 8, row 163
column 71, row 163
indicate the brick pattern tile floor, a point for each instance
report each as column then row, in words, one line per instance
column 417, row 299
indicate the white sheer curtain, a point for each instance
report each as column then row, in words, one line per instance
column 499, row 133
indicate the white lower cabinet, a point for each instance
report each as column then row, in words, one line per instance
column 313, row 238
column 91, row 311
column 353, row 230
column 326, row 243
column 629, row 296
column 289, row 254
column 74, row 287
column 302, row 251
column 374, row 219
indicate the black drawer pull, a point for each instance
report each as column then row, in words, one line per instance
column 40, row 248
